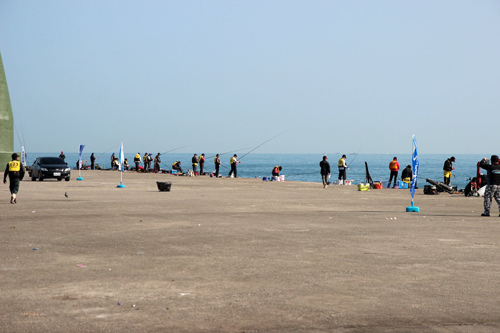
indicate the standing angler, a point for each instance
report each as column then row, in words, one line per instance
column 15, row 171
column 493, row 187
column 201, row 160
column 194, row 163
column 137, row 161
column 234, row 161
column 342, row 170
column 217, row 165
column 394, row 167
column 447, row 167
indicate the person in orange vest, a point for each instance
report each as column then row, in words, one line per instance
column 15, row 171
column 394, row 167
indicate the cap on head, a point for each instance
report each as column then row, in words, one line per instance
column 14, row 156
column 494, row 158
column 452, row 158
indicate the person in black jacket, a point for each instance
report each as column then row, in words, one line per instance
column 15, row 171
column 447, row 168
column 493, row 187
column 407, row 174
column 325, row 171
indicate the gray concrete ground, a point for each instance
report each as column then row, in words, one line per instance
column 243, row 255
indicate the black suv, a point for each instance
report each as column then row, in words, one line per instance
column 50, row 167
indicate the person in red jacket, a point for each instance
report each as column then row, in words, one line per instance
column 394, row 167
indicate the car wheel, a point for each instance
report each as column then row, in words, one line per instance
column 67, row 179
column 59, row 179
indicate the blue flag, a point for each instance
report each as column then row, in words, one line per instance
column 80, row 156
column 414, row 168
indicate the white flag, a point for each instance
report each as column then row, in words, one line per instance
column 122, row 158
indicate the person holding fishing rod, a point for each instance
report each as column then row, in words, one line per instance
column 447, row 168
column 342, row 170
column 233, row 161
column 217, row 165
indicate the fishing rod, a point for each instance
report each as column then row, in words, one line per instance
column 261, row 144
column 105, row 152
column 357, row 153
column 176, row 149
column 231, row 151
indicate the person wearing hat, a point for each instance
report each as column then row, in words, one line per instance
column 15, row 171
column 493, row 187
column 233, row 161
column 447, row 168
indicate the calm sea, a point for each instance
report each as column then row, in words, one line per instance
column 305, row 167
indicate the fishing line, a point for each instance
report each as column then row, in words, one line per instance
column 261, row 145
column 231, row 151
column 357, row 153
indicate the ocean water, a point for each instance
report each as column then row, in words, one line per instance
column 305, row 167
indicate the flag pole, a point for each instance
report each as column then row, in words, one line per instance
column 414, row 168
column 80, row 150
column 122, row 160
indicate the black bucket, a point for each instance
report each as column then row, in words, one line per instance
column 164, row 186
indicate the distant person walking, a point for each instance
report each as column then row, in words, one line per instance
column 137, row 161
column 62, row 156
column 325, row 171
column 234, row 162
column 194, row 163
column 394, row 167
column 92, row 162
column 493, row 187
column 217, row 165
column 447, row 168
column 342, row 170
column 15, row 171
column 201, row 160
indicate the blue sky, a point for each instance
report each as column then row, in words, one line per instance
column 334, row 76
